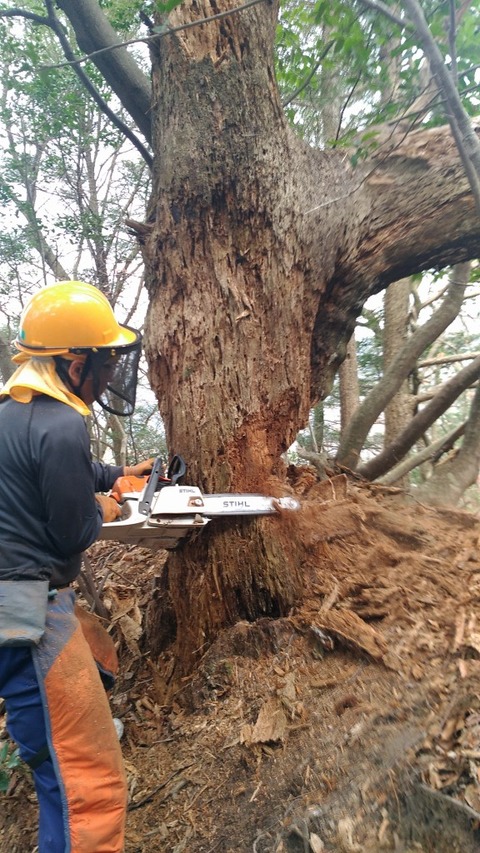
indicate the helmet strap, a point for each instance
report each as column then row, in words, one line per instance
column 62, row 366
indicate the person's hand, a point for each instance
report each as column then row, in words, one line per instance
column 140, row 469
column 110, row 508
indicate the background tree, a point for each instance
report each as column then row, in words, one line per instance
column 399, row 368
column 69, row 183
column 398, row 88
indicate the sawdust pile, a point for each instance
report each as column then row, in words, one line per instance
column 352, row 724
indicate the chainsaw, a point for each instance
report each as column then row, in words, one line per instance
column 158, row 511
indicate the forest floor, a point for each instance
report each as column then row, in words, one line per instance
column 351, row 724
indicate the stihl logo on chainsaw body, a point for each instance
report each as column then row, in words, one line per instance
column 237, row 504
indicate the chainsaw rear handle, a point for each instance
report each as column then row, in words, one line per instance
column 176, row 470
column 151, row 487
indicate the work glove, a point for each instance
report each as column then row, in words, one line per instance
column 110, row 508
column 140, row 469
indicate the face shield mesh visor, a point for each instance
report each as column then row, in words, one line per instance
column 114, row 376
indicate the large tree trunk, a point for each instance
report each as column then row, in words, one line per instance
column 260, row 256
column 227, row 344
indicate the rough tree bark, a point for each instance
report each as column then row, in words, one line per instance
column 260, row 255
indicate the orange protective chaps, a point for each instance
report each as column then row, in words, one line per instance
column 81, row 737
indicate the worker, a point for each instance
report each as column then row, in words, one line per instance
column 71, row 352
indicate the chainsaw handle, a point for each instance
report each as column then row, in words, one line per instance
column 151, row 487
column 176, row 470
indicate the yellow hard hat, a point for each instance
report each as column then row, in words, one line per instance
column 71, row 316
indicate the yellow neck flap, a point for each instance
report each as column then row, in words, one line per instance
column 39, row 376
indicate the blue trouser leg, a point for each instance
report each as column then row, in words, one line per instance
column 26, row 726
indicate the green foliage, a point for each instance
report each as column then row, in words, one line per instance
column 352, row 74
column 53, row 139
column 9, row 762
column 168, row 6
column 124, row 14
column 147, row 434
column 68, row 177
column 371, row 73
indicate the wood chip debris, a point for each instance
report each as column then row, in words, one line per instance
column 349, row 630
column 270, row 727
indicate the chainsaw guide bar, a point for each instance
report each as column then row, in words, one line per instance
column 174, row 512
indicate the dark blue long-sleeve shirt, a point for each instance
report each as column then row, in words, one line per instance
column 48, row 511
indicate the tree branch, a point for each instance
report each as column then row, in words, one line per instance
column 451, row 479
column 433, row 451
column 47, row 255
column 309, row 76
column 462, row 130
column 374, row 403
column 421, row 422
column 119, row 69
column 21, row 13
column 378, row 6
column 452, row 35
column 56, row 26
column 448, row 359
